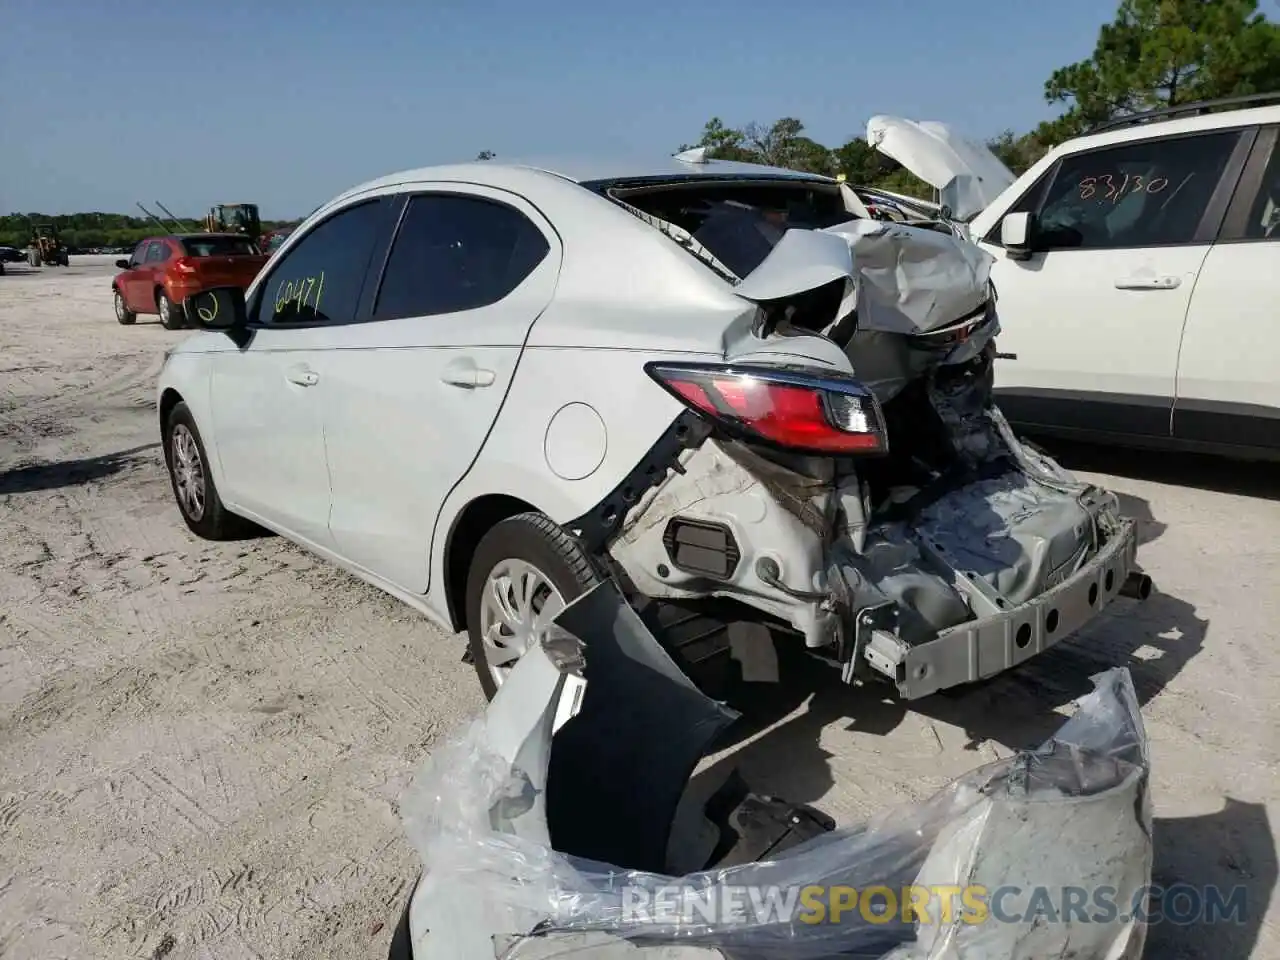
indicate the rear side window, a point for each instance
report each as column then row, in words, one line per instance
column 1143, row 194
column 455, row 253
column 158, row 252
column 1264, row 216
column 320, row 279
column 218, row 247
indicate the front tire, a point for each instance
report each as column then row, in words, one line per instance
column 123, row 314
column 192, row 482
column 525, row 570
column 170, row 316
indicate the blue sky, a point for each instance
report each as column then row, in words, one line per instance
column 286, row 103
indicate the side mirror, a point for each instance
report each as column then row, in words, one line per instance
column 122, row 264
column 218, row 308
column 1016, row 233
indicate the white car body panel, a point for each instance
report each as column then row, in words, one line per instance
column 1069, row 323
column 401, row 426
column 270, row 430
column 1229, row 349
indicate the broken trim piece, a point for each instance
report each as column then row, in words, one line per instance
column 597, row 528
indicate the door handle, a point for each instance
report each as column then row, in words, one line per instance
column 1148, row 283
column 463, row 372
column 303, row 376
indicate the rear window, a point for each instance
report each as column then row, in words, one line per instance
column 739, row 223
column 218, row 247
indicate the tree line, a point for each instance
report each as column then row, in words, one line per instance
column 81, row 231
column 1154, row 54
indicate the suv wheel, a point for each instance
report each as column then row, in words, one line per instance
column 170, row 316
column 193, row 485
column 123, row 313
column 524, row 572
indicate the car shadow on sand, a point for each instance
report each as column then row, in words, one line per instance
column 66, row 473
column 1217, row 474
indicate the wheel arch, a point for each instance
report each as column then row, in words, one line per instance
column 474, row 520
column 169, row 399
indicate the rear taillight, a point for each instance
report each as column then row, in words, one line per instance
column 800, row 411
column 186, row 265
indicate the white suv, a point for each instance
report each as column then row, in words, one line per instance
column 1138, row 275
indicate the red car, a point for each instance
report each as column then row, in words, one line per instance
column 164, row 271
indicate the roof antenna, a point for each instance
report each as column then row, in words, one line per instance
column 695, row 155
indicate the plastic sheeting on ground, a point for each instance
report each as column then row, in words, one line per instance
column 1071, row 816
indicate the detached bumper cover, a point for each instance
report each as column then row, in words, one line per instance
column 1073, row 814
column 982, row 648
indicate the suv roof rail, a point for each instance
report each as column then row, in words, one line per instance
column 1195, row 108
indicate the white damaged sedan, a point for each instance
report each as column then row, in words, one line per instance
column 487, row 387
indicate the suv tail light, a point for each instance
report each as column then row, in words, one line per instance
column 185, row 265
column 799, row 411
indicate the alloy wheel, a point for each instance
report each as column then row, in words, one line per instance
column 188, row 472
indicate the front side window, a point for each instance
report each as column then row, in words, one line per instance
column 455, row 253
column 1141, row 194
column 140, row 252
column 320, row 279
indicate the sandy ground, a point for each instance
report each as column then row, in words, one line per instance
column 202, row 746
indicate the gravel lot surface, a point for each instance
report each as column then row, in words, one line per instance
column 202, row 746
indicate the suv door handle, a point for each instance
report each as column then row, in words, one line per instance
column 463, row 372
column 1148, row 283
column 303, row 376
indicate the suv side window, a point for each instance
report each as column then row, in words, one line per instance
column 1141, row 194
column 455, row 253
column 140, row 253
column 157, row 252
column 1263, row 222
column 320, row 279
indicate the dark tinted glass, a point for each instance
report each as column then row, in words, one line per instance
column 218, row 247
column 456, row 253
column 1147, row 193
column 1264, row 216
column 320, row 279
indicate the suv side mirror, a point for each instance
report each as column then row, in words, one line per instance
column 218, row 308
column 1017, row 231
column 122, row 264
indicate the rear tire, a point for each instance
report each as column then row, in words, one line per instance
column 123, row 314
column 193, row 487
column 170, row 316
column 527, row 550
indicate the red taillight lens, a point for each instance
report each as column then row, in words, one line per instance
column 800, row 411
column 186, row 265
